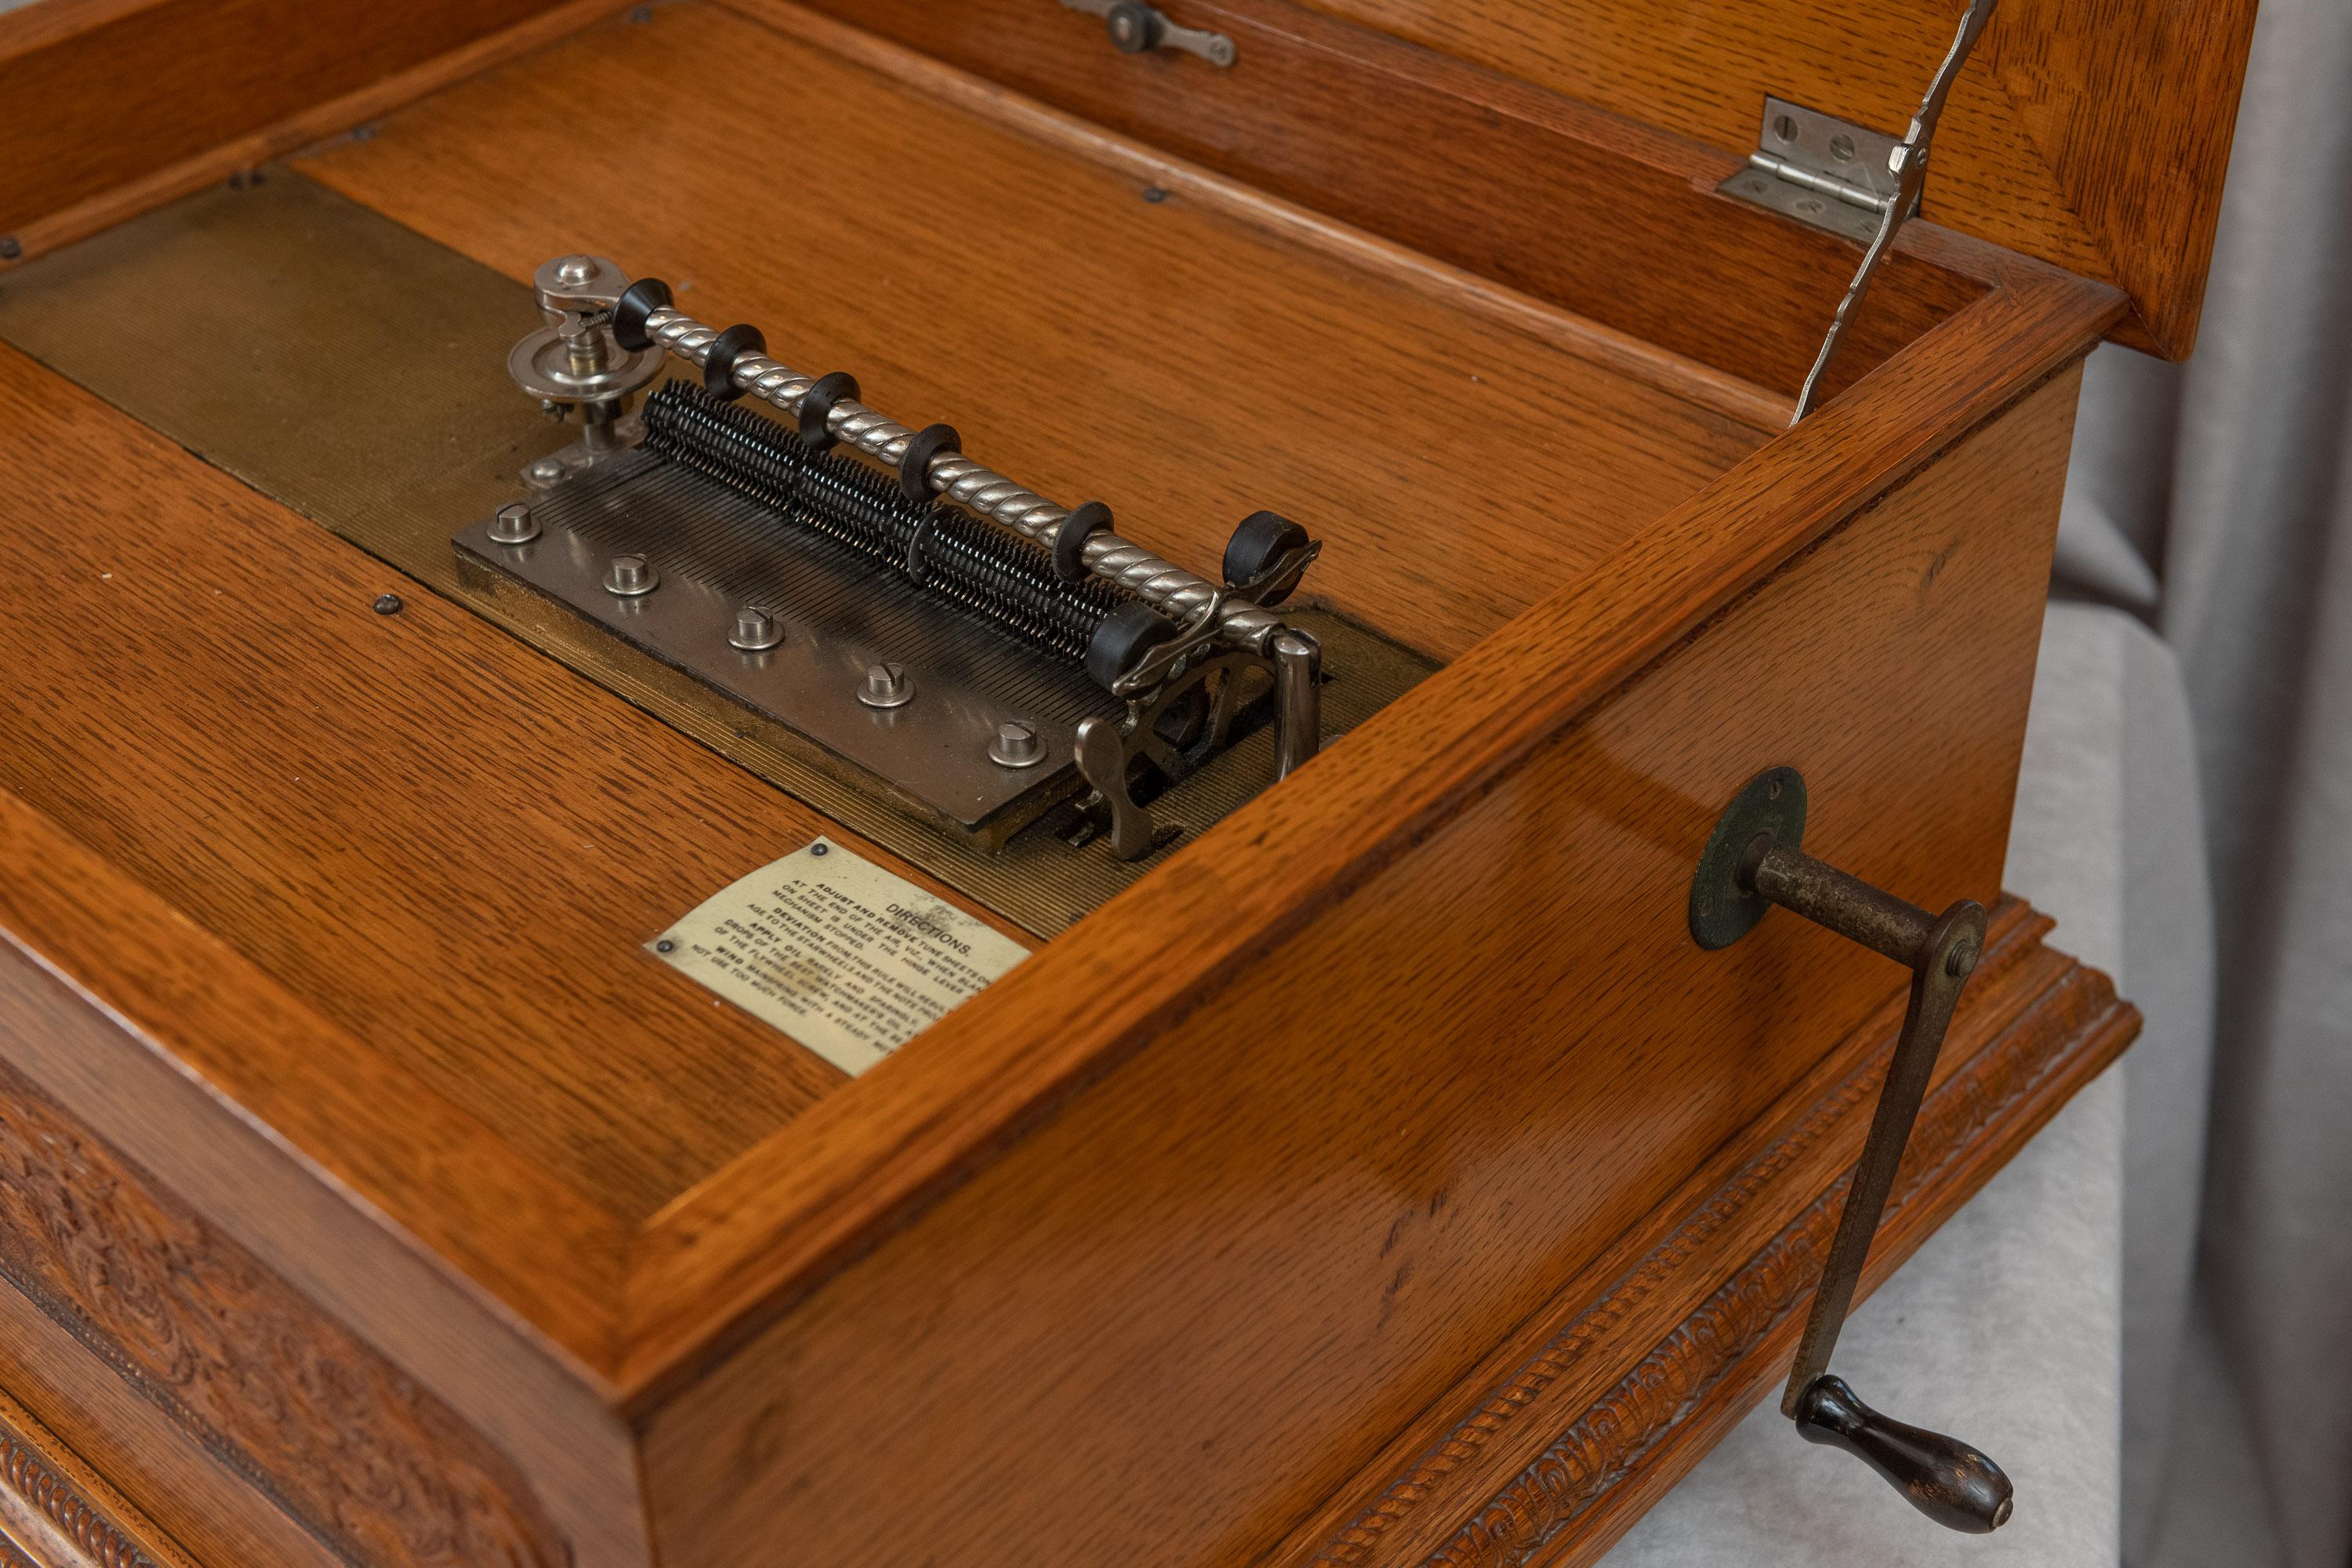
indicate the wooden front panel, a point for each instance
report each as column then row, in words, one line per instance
column 252, row 1380
column 1204, row 1293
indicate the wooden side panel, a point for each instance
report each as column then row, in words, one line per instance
column 1262, row 1245
column 102, row 94
column 208, row 1509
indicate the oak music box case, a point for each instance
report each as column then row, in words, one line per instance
column 1024, row 784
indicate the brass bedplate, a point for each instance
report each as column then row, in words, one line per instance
column 365, row 385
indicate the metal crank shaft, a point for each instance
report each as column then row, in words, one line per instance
column 1184, row 597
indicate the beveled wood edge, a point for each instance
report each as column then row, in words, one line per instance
column 1542, row 1434
column 43, row 1483
column 1597, row 344
column 178, row 994
column 738, row 1247
column 328, row 118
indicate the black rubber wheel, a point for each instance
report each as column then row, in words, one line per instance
column 719, row 366
column 1129, row 632
column 915, row 463
column 1070, row 540
column 1260, row 540
column 640, row 299
column 816, row 407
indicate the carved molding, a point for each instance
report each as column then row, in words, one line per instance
column 34, row 1489
column 370, row 1462
column 1518, row 1524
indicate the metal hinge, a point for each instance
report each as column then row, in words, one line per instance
column 1819, row 170
column 1883, row 204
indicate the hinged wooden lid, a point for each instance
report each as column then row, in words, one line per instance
column 2091, row 133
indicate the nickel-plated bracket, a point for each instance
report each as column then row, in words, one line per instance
column 1751, row 863
column 1894, row 196
column 573, row 365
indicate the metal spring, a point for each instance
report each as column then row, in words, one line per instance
column 962, row 560
column 1158, row 581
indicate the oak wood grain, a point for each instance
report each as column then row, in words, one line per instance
column 369, row 1463
column 432, row 1164
column 1192, row 1156
column 367, row 1209
column 318, row 118
column 2050, row 145
column 138, row 1451
column 438, row 840
column 1539, row 1456
column 1183, row 366
column 1583, row 336
column 753, row 1238
column 1595, row 213
column 52, row 1502
column 102, row 95
column 1272, row 1235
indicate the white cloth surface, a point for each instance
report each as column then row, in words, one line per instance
column 2009, row 1326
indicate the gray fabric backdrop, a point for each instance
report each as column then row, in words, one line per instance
column 2214, row 500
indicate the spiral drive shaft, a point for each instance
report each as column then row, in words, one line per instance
column 1181, row 595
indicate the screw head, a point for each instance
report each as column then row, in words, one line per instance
column 514, row 524
column 1133, row 26
column 574, row 270
column 387, row 604
column 1016, row 745
column 887, row 686
column 755, row 630
column 630, row 577
column 547, row 470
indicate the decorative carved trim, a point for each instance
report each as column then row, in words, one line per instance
column 29, row 1480
column 1604, row 1446
column 367, row 1460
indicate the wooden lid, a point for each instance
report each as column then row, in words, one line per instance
column 2091, row 133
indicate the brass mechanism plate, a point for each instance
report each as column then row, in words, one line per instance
column 355, row 370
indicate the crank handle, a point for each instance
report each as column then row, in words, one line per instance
column 1943, row 1477
column 1752, row 863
